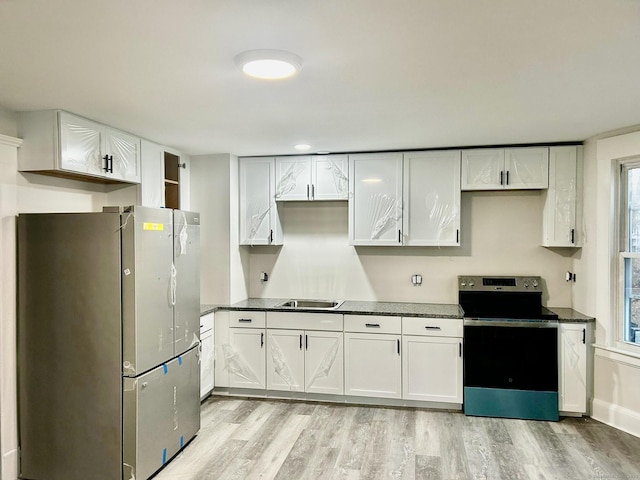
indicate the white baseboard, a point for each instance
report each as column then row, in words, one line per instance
column 616, row 416
column 9, row 467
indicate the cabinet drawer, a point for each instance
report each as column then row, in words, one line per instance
column 206, row 323
column 438, row 327
column 305, row 321
column 372, row 324
column 246, row 318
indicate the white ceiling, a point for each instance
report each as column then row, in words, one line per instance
column 377, row 74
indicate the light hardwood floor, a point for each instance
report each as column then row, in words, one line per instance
column 279, row 439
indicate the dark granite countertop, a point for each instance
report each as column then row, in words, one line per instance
column 569, row 315
column 432, row 310
column 438, row 310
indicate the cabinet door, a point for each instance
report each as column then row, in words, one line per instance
column 206, row 363
column 285, row 360
column 432, row 369
column 259, row 223
column 125, row 150
column 151, row 175
column 372, row 365
column 482, row 169
column 323, row 365
column 559, row 213
column 80, row 145
column 431, row 198
column 573, row 368
column 293, row 178
column 330, row 180
column 526, row 168
column 375, row 199
column 244, row 357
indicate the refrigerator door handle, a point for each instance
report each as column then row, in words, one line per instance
column 174, row 284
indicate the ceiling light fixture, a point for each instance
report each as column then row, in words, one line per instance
column 268, row 64
column 303, row 147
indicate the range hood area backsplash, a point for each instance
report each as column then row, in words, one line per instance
column 500, row 235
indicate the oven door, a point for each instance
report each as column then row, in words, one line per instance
column 511, row 369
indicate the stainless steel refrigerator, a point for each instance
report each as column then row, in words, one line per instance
column 108, row 342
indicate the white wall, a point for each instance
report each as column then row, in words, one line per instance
column 210, row 197
column 500, row 233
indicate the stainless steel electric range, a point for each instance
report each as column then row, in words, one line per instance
column 511, row 348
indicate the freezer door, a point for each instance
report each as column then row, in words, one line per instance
column 188, row 397
column 69, row 346
column 186, row 251
column 149, row 422
column 148, row 293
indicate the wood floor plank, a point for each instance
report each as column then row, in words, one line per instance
column 454, row 458
column 270, row 461
column 298, row 459
column 268, row 439
column 428, row 467
column 427, row 440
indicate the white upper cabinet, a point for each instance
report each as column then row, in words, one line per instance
column 500, row 169
column 561, row 208
column 431, row 198
column 330, row 177
column 152, row 168
column 375, row 199
column 312, row 178
column 57, row 142
column 259, row 220
column 80, row 145
column 123, row 152
column 526, row 168
column 293, row 178
column 483, row 169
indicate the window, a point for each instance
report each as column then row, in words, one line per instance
column 629, row 331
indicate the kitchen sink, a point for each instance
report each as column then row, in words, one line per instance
column 312, row 304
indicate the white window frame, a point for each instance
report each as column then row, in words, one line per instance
column 622, row 254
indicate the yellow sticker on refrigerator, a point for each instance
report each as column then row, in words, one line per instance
column 158, row 227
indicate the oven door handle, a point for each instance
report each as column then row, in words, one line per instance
column 479, row 322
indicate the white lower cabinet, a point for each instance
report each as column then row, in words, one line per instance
column 305, row 361
column 572, row 359
column 308, row 359
column 285, row 360
column 372, row 365
column 432, row 359
column 245, row 358
column 206, row 355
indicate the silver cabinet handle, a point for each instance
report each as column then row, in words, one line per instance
column 429, row 327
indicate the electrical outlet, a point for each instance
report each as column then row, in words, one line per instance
column 416, row 280
column 264, row 277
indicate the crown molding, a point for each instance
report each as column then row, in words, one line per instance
column 10, row 141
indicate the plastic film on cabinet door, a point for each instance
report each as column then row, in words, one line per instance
column 280, row 363
column 325, row 366
column 441, row 215
column 236, row 365
column 384, row 211
column 289, row 179
column 340, row 179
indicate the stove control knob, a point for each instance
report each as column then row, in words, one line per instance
column 471, row 284
column 535, row 284
column 463, row 283
column 526, row 284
